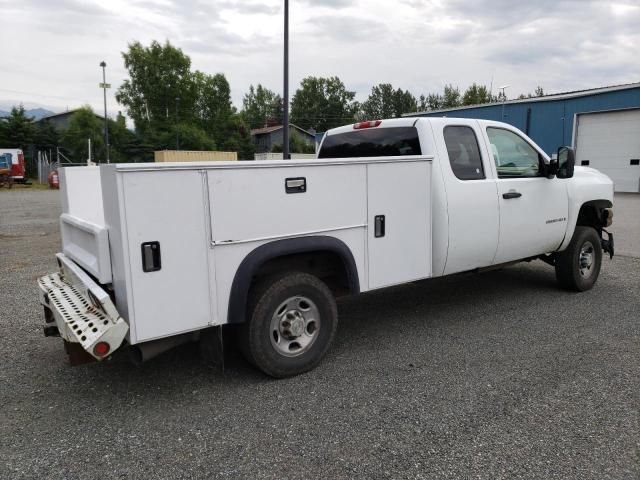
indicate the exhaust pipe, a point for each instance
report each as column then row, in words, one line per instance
column 143, row 352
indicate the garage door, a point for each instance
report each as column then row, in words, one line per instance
column 610, row 142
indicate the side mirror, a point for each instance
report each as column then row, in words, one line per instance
column 552, row 168
column 566, row 162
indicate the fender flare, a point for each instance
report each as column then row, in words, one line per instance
column 278, row 248
column 599, row 203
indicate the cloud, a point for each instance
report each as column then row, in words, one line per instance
column 347, row 28
column 251, row 8
column 330, row 4
column 419, row 45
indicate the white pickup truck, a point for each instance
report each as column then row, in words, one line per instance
column 154, row 255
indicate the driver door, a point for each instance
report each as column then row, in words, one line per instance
column 533, row 208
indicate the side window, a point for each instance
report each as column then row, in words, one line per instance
column 514, row 157
column 464, row 153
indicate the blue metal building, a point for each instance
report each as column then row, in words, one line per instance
column 603, row 124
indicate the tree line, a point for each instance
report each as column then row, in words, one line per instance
column 173, row 106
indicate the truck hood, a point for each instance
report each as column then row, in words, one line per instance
column 586, row 172
column 590, row 175
column 589, row 184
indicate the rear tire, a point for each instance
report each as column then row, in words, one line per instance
column 292, row 321
column 578, row 267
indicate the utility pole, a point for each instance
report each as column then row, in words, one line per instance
column 285, row 99
column 177, row 133
column 104, row 85
column 504, row 98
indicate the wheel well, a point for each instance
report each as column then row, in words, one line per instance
column 326, row 257
column 590, row 214
column 326, row 265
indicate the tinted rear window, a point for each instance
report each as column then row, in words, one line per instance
column 464, row 153
column 372, row 142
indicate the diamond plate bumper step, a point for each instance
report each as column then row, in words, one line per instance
column 83, row 312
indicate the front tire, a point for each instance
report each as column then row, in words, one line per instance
column 578, row 267
column 292, row 321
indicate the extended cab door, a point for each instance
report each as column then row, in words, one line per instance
column 471, row 195
column 533, row 208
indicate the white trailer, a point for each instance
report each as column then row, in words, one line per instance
column 158, row 254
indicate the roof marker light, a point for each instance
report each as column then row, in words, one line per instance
column 368, row 124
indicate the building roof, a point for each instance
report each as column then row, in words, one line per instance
column 543, row 98
column 61, row 114
column 262, row 131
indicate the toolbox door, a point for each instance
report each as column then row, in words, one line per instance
column 399, row 222
column 168, row 245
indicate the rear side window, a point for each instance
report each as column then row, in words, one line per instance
column 373, row 142
column 464, row 153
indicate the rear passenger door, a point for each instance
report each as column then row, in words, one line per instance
column 472, row 203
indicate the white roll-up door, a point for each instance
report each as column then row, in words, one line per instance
column 610, row 142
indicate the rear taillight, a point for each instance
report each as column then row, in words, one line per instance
column 368, row 124
column 101, row 349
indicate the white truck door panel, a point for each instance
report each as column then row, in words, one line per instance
column 168, row 207
column 472, row 203
column 401, row 192
column 533, row 208
column 533, row 223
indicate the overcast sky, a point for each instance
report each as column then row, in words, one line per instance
column 50, row 49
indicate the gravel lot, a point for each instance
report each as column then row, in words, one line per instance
column 497, row 375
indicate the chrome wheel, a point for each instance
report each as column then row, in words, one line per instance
column 295, row 326
column 586, row 259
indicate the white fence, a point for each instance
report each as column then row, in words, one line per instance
column 278, row 156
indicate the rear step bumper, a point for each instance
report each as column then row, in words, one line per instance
column 82, row 312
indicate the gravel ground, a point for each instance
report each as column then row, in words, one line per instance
column 496, row 375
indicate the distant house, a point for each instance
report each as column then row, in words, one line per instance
column 266, row 138
column 61, row 120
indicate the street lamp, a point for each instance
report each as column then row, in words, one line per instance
column 177, row 132
column 104, row 85
column 285, row 100
column 504, row 97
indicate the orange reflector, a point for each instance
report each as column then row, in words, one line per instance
column 101, row 349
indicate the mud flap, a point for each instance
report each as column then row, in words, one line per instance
column 76, row 355
column 607, row 245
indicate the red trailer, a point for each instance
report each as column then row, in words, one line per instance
column 5, row 170
column 17, row 163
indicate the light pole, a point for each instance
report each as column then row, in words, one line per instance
column 285, row 100
column 104, row 85
column 177, row 138
column 504, row 98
